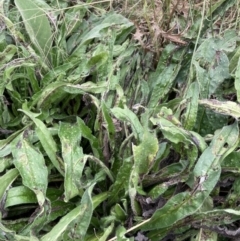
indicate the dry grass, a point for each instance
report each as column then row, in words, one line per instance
column 158, row 22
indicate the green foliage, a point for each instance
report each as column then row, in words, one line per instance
column 95, row 144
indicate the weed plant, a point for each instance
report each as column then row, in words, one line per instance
column 119, row 120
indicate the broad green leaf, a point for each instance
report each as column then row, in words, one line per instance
column 211, row 77
column 31, row 166
column 222, row 107
column 79, row 218
column 145, row 153
column 74, row 161
column 228, row 42
column 45, row 138
column 37, row 25
column 127, row 115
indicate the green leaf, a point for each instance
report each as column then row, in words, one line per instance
column 163, row 83
column 45, row 138
column 107, row 232
column 237, row 79
column 7, row 234
column 89, row 86
column 37, row 25
column 120, row 186
column 101, row 164
column 108, row 121
column 74, row 161
column 7, row 54
column 176, row 134
column 99, row 198
column 60, row 70
column 31, row 166
column 192, row 107
column 111, row 19
column 40, row 219
column 79, row 218
column 52, row 94
column 145, row 153
column 20, row 195
column 234, row 61
column 5, row 162
column 222, row 107
column 87, row 133
column 206, row 173
column 222, row 144
column 7, row 179
column 127, row 115
column 23, row 195
column 5, row 146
